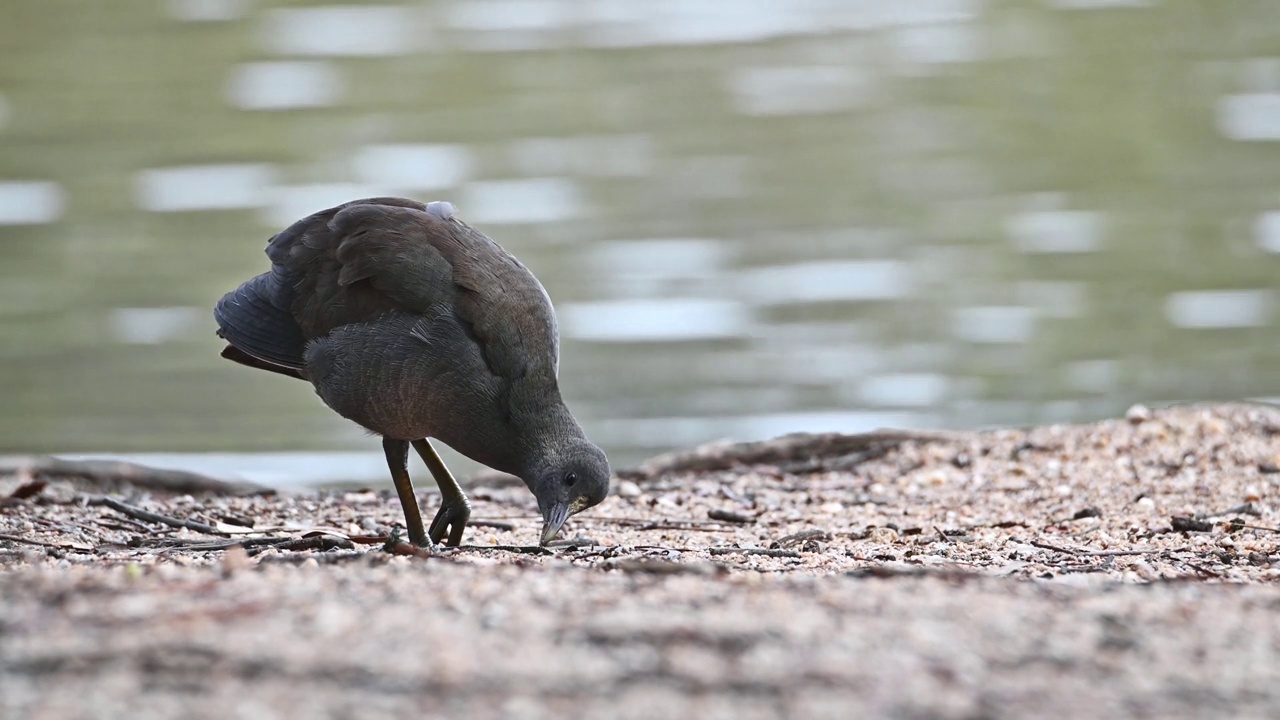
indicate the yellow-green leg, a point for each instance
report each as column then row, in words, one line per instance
column 398, row 460
column 455, row 509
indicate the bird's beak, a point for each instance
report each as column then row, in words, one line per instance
column 553, row 521
column 560, row 512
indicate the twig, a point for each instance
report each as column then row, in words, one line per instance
column 767, row 552
column 1245, row 509
column 140, row 514
column 315, row 542
column 1202, row 570
column 1257, row 527
column 245, row 543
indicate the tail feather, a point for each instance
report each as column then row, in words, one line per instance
column 256, row 318
column 235, row 354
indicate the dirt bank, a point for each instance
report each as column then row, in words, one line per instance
column 1123, row 569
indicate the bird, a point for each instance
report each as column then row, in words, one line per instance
column 414, row 325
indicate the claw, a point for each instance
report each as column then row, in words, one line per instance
column 451, row 519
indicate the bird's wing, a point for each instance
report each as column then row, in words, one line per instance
column 358, row 261
column 256, row 319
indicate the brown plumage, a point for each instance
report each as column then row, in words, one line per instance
column 412, row 324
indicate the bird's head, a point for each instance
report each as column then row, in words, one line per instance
column 573, row 479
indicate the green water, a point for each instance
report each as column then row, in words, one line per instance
column 1116, row 112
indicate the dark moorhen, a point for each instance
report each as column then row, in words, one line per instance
column 412, row 324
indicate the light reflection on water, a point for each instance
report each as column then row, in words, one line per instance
column 754, row 217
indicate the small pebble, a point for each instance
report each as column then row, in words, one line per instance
column 1138, row 414
column 628, row 489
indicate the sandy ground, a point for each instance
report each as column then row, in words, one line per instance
column 1123, row 569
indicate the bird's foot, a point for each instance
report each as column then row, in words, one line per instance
column 396, row 544
column 452, row 519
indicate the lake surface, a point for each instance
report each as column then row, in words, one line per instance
column 754, row 217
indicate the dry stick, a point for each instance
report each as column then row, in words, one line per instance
column 1245, row 509
column 242, row 542
column 661, row 548
column 1202, row 569
column 140, row 514
column 368, row 539
column 315, row 542
column 1258, row 527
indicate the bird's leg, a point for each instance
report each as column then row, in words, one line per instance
column 398, row 460
column 455, row 509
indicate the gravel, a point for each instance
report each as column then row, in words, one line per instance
column 1121, row 569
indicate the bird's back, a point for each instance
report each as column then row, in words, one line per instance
column 357, row 262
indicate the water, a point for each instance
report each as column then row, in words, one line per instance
column 754, row 217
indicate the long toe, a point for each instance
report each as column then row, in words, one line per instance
column 451, row 520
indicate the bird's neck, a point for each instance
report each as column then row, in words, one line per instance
column 541, row 425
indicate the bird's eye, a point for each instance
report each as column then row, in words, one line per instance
column 570, row 479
